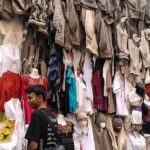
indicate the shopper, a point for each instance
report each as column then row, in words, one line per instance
column 40, row 135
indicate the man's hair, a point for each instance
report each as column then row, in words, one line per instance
column 37, row 89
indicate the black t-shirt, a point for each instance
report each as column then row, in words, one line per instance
column 39, row 130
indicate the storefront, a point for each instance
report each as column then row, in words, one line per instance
column 92, row 57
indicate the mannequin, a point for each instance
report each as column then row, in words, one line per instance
column 120, row 134
column 101, row 133
column 83, row 133
column 34, row 73
column 65, row 131
column 136, row 141
column 31, row 79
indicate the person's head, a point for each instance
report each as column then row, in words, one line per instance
column 36, row 95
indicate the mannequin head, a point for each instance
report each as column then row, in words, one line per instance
column 101, row 120
column 61, row 119
column 82, row 119
column 137, row 127
column 117, row 124
column 34, row 73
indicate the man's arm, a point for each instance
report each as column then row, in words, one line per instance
column 33, row 145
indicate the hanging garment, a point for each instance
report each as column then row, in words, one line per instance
column 90, row 4
column 10, row 85
column 135, row 59
column 85, row 105
column 136, row 143
column 145, row 47
column 9, row 59
column 12, row 129
column 6, row 9
column 108, row 85
column 98, row 99
column 70, row 80
column 146, row 114
column 88, row 20
column 122, row 38
column 137, row 8
column 107, row 6
column 135, row 102
column 102, row 138
column 27, row 80
column 59, row 23
column 119, row 90
column 73, row 20
column 12, row 31
column 147, row 15
column 87, row 75
column 20, row 6
column 83, row 137
column 104, row 35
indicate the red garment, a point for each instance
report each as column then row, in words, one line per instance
column 10, row 87
column 99, row 101
column 27, row 80
column 148, row 89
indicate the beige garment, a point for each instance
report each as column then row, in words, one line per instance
column 147, row 77
column 145, row 47
column 105, row 41
column 20, row 6
column 111, row 132
column 6, row 9
column 88, row 20
column 137, row 8
column 102, row 138
column 147, row 143
column 108, row 85
column 76, row 57
column 59, row 23
column 107, row 5
column 13, row 31
column 122, row 140
column 122, row 38
column 135, row 59
column 73, row 19
column 43, row 69
column 147, row 17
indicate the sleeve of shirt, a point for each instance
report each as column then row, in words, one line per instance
column 34, row 130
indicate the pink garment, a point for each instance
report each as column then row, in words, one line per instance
column 27, row 80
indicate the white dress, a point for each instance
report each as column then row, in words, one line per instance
column 85, row 105
column 84, row 137
column 119, row 90
column 9, row 59
column 87, row 76
column 135, row 100
column 14, row 114
column 136, row 143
